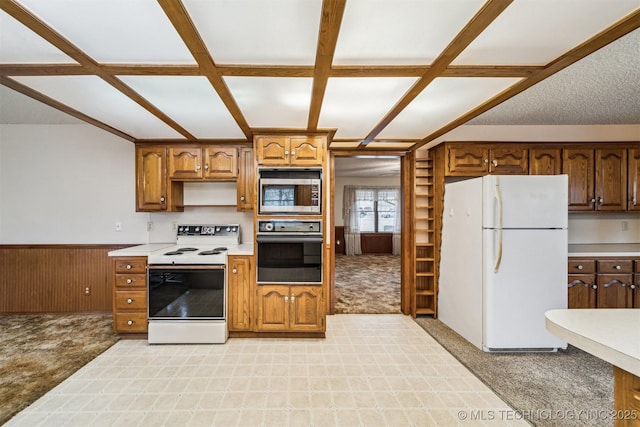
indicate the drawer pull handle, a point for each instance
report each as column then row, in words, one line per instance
column 130, row 281
column 286, row 298
column 129, row 266
column 617, row 267
column 613, row 282
column 594, row 286
column 579, row 267
column 129, row 301
column 235, row 271
column 130, row 322
column 293, row 298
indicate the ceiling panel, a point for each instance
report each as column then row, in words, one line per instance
column 115, row 31
column 272, row 101
column 355, row 105
column 400, row 32
column 190, row 101
column 18, row 44
column 537, row 31
column 442, row 102
column 258, row 31
column 95, row 98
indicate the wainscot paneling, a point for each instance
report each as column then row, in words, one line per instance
column 54, row 278
column 376, row 243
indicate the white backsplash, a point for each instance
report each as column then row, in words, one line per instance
column 163, row 224
column 604, row 228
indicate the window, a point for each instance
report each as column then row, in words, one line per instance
column 377, row 209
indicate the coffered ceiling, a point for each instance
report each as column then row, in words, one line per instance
column 379, row 74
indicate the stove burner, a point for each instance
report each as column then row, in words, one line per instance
column 174, row 253
column 211, row 252
column 187, row 249
column 221, row 248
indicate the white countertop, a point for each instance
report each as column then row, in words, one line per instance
column 611, row 334
column 145, row 250
column 605, row 249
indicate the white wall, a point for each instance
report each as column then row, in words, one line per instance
column 342, row 181
column 67, row 184
column 604, row 228
column 72, row 183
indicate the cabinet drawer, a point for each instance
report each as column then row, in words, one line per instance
column 131, row 300
column 131, row 265
column 127, row 281
column 581, row 266
column 131, row 322
column 615, row 266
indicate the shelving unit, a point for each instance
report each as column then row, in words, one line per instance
column 424, row 301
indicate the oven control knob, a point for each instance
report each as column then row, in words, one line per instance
column 268, row 226
column 228, row 229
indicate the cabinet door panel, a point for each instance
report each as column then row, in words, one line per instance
column 635, row 292
column 466, row 160
column 509, row 161
column 221, row 162
column 240, row 285
column 185, row 163
column 579, row 165
column 307, row 151
column 634, row 180
column 544, row 161
column 272, row 150
column 611, row 179
column 581, row 291
column 306, row 308
column 246, row 180
column 613, row 290
column 273, row 308
column 151, row 179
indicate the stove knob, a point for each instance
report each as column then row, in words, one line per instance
column 228, row 229
column 268, row 226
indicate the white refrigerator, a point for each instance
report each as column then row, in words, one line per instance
column 503, row 260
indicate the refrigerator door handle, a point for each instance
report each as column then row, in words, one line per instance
column 498, row 260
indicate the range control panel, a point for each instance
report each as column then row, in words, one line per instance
column 208, row 230
column 289, row 226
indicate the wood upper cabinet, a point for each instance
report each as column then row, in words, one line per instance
column 611, row 179
column 597, row 178
column 545, row 161
column 282, row 150
column 473, row 159
column 509, row 160
column 240, row 284
column 209, row 162
column 151, row 179
column 634, row 180
column 281, row 308
column 246, row 180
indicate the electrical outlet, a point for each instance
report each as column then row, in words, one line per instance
column 150, row 226
column 87, row 291
column 624, row 225
column 174, row 226
column 118, row 226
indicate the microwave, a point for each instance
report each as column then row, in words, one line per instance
column 290, row 191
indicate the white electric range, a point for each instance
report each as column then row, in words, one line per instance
column 187, row 286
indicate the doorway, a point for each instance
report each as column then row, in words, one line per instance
column 367, row 279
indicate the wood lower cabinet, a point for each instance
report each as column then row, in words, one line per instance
column 240, row 279
column 284, row 308
column 130, row 295
column 602, row 283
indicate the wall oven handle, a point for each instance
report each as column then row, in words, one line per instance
column 289, row 239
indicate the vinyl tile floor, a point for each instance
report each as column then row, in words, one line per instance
column 370, row 370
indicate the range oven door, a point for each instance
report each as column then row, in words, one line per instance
column 183, row 292
column 290, row 259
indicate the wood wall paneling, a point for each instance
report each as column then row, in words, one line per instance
column 53, row 278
